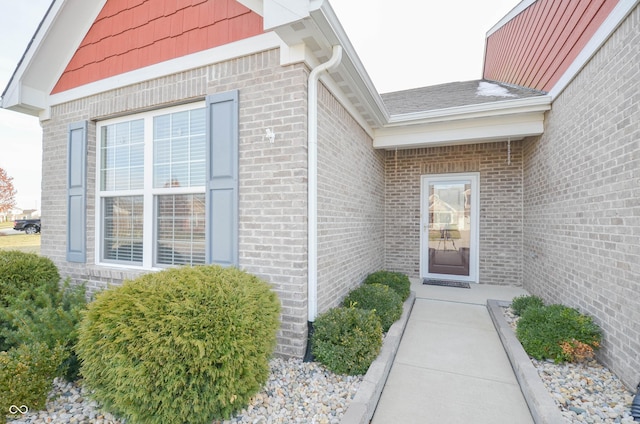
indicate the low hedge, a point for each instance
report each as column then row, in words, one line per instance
column 379, row 298
column 397, row 281
column 188, row 344
column 347, row 340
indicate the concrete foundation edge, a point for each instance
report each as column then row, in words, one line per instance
column 363, row 405
column 542, row 407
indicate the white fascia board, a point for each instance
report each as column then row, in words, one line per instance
column 478, row 130
column 56, row 41
column 610, row 24
column 519, row 8
column 259, row 43
column 11, row 97
column 359, row 80
column 481, row 110
column 255, row 5
column 311, row 29
column 282, row 12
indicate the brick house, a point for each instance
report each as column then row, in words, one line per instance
column 248, row 133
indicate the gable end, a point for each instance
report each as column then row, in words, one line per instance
column 133, row 34
column 536, row 47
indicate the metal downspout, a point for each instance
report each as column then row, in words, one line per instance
column 312, row 166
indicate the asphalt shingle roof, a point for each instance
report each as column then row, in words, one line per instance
column 453, row 94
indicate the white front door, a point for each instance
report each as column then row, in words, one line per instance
column 449, row 239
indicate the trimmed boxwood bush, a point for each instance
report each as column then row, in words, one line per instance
column 21, row 273
column 381, row 299
column 347, row 340
column 557, row 332
column 397, row 281
column 188, row 344
column 521, row 303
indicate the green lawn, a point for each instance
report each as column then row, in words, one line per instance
column 23, row 242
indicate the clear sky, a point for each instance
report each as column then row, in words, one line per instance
column 402, row 44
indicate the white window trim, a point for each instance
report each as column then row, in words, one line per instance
column 474, row 258
column 148, row 192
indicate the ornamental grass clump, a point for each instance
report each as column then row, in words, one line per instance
column 558, row 332
column 188, row 344
column 347, row 340
column 397, row 281
column 379, row 298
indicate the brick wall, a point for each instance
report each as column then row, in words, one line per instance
column 350, row 203
column 500, row 233
column 273, row 202
column 582, row 199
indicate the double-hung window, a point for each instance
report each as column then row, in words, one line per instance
column 167, row 186
column 152, row 185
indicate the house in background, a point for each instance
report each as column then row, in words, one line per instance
column 10, row 215
column 248, row 133
column 30, row 213
column 17, row 213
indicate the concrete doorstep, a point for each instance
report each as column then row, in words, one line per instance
column 542, row 407
column 363, row 405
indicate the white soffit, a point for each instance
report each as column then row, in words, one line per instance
column 462, row 131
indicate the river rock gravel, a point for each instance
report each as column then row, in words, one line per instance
column 584, row 392
column 306, row 392
column 296, row 392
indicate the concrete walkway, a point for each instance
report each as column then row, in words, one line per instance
column 451, row 366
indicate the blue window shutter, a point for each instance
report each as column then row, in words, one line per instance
column 222, row 179
column 77, row 192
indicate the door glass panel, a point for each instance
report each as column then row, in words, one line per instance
column 449, row 227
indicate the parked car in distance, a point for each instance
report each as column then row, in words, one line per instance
column 29, row 226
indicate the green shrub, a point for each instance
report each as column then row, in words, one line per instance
column 26, row 376
column 52, row 320
column 557, row 332
column 398, row 281
column 381, row 299
column 521, row 303
column 21, row 273
column 188, row 344
column 347, row 340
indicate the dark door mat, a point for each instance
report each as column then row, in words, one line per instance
column 446, row 283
